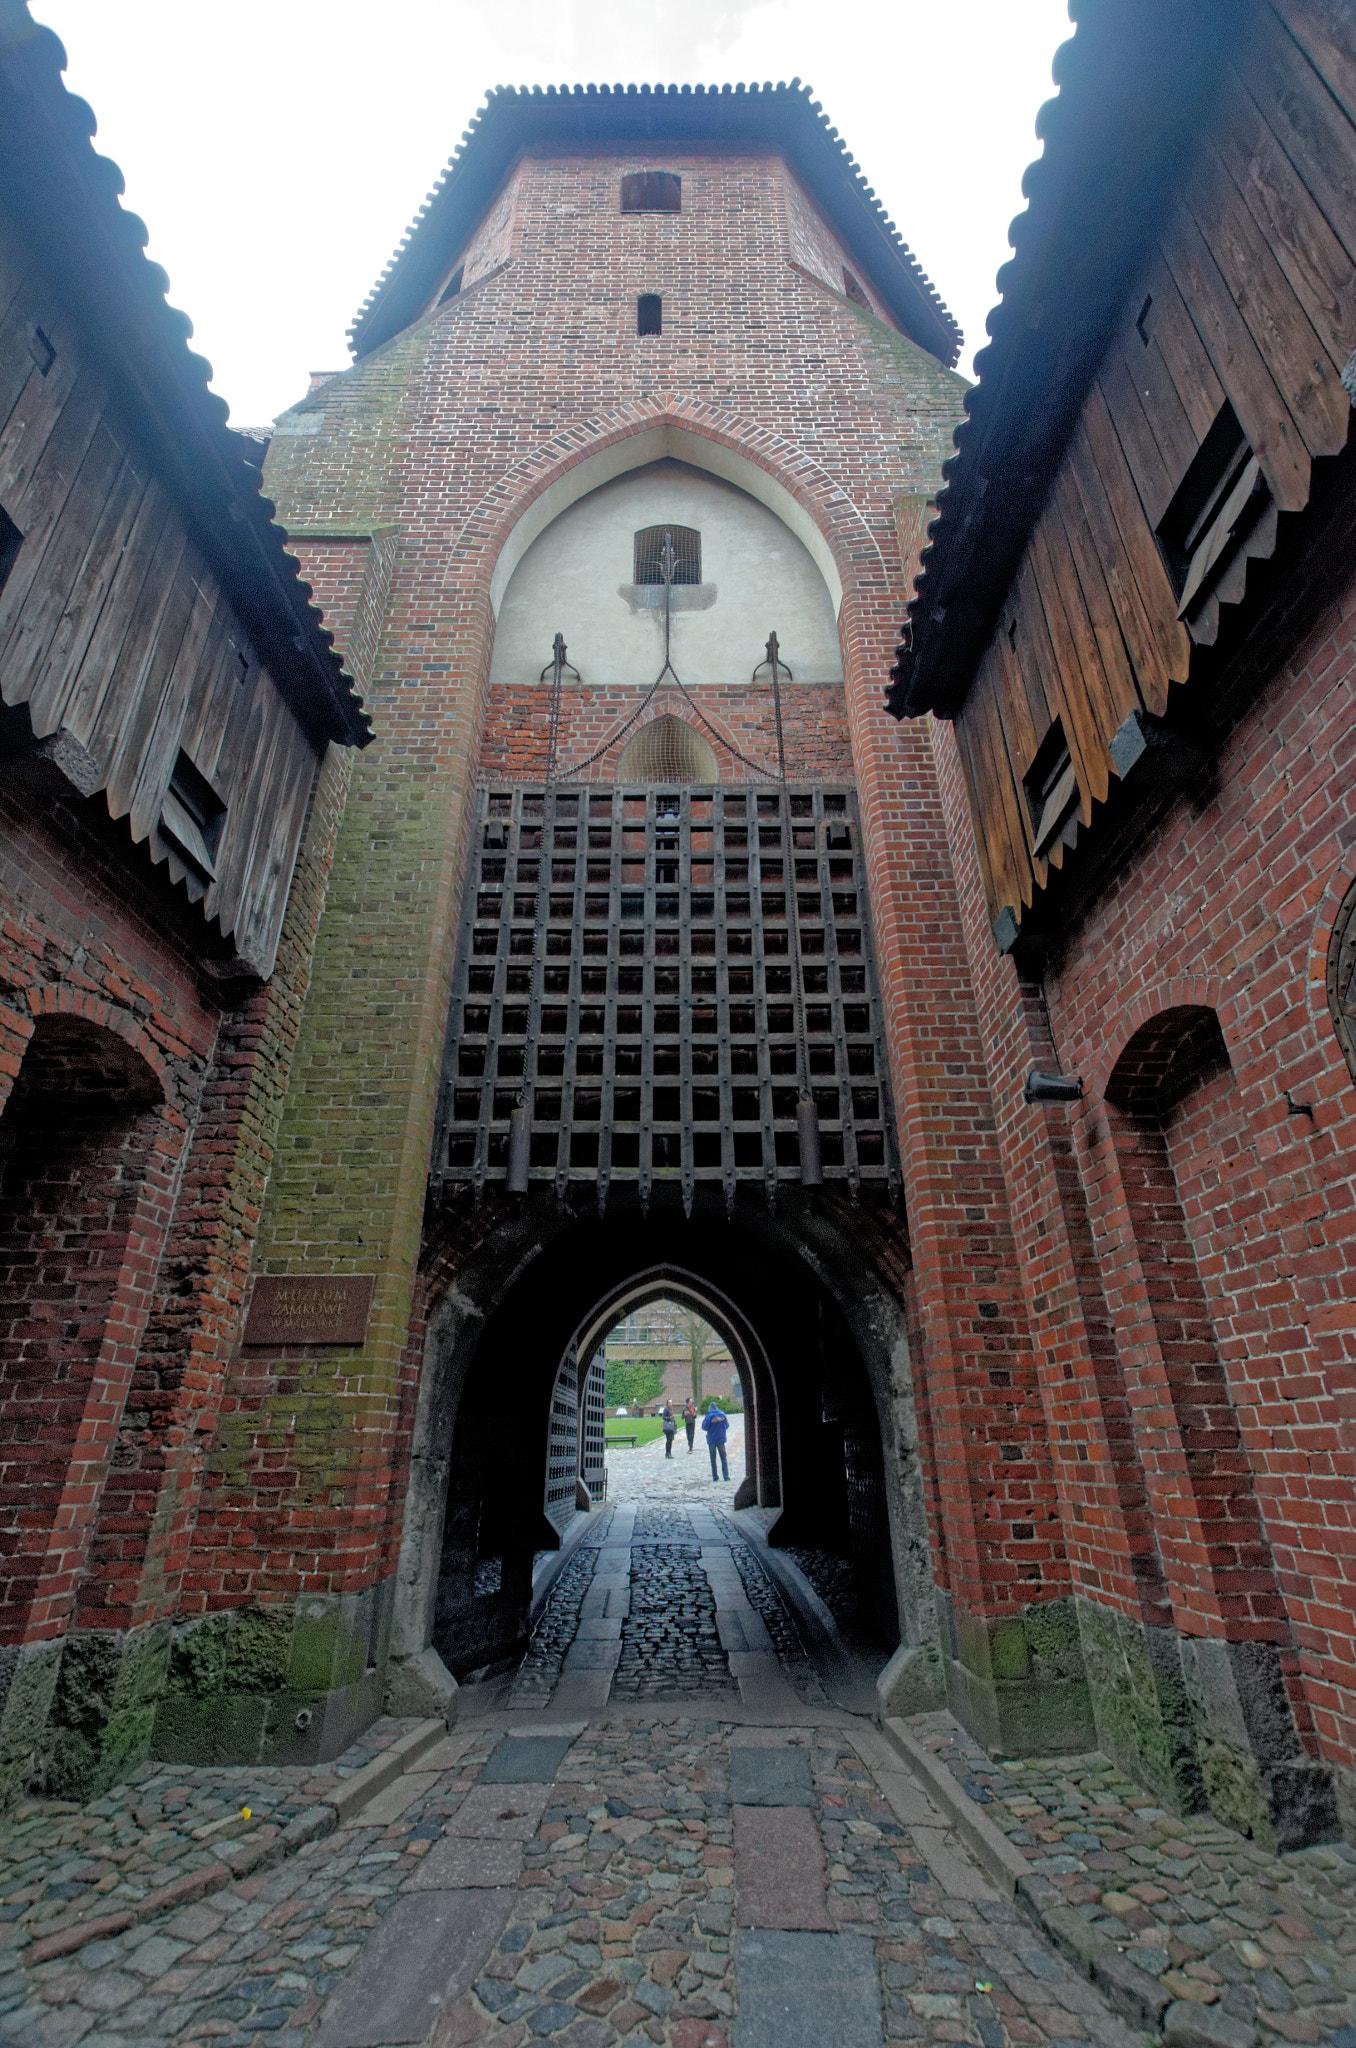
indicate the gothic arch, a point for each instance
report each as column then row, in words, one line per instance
column 1165, row 1058
column 666, row 1282
column 59, row 1000
column 1183, row 992
column 775, row 471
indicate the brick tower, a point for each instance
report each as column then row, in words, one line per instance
column 640, row 970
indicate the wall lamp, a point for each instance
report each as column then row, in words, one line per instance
column 1042, row 1087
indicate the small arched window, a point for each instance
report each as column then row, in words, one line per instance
column 1342, row 978
column 652, row 192
column 686, row 543
column 853, row 290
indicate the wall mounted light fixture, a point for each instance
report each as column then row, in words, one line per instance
column 1043, row 1087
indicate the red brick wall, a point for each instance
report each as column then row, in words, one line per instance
column 737, row 724
column 1226, row 907
column 80, row 955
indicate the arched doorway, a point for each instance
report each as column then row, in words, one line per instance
column 77, row 1144
column 818, row 1331
column 758, row 1482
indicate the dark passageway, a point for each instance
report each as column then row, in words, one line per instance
column 822, row 1359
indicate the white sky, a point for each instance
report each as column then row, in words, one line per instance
column 277, row 149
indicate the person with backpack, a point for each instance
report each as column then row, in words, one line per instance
column 690, row 1422
column 670, row 1422
column 716, row 1423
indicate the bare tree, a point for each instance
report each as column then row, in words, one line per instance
column 702, row 1345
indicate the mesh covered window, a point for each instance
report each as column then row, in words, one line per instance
column 667, row 750
column 687, row 554
column 652, row 192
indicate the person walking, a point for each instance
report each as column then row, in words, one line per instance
column 670, row 1422
column 716, row 1423
column 690, row 1422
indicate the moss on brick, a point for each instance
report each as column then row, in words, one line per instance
column 103, row 1709
column 244, row 1651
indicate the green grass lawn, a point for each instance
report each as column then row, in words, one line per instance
column 644, row 1431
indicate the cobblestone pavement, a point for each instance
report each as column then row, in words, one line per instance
column 632, row 1889
column 1267, row 1941
column 189, row 1829
column 708, row 1859
column 768, row 1604
column 539, row 1673
column 670, row 1646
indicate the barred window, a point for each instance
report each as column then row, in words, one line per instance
column 687, row 554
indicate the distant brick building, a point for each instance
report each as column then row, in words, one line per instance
column 661, row 1335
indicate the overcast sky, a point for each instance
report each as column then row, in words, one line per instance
column 278, row 149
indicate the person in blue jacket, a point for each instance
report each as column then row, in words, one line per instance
column 716, row 1423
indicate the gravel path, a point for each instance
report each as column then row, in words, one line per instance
column 646, row 1474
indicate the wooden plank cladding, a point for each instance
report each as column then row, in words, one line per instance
column 136, row 672
column 1220, row 386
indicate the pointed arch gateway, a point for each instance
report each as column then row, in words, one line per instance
column 818, row 1332
column 761, row 1486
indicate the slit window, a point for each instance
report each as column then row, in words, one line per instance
column 41, row 350
column 853, row 290
column 1213, row 509
column 11, row 540
column 453, row 285
column 685, row 554
column 1051, row 785
column 649, row 313
column 652, row 192
column 193, row 816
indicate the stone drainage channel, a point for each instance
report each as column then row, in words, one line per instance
column 664, row 1605
column 660, row 1828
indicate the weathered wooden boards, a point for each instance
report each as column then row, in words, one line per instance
column 113, row 630
column 1248, row 297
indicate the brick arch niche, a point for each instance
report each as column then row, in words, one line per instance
column 78, row 1140
column 557, row 562
column 1186, row 1158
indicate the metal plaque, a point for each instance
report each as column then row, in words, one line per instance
column 310, row 1308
